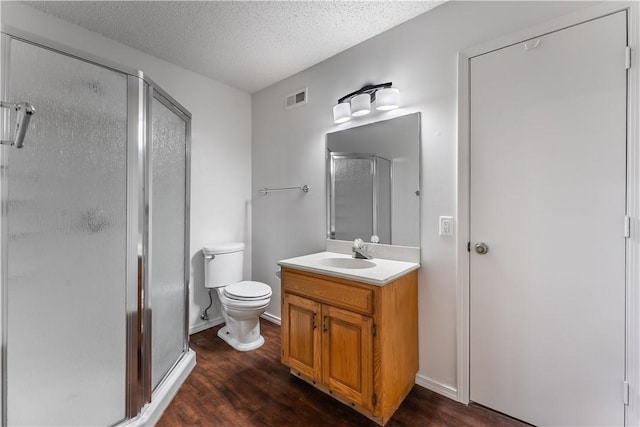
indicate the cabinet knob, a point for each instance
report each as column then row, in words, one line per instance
column 324, row 324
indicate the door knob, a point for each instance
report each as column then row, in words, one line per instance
column 482, row 248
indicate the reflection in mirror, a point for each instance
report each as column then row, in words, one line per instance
column 373, row 182
column 361, row 188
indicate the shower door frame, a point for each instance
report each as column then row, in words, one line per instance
column 140, row 93
column 4, row 289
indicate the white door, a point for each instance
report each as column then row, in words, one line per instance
column 548, row 177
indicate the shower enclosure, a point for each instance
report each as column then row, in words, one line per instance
column 360, row 196
column 95, row 237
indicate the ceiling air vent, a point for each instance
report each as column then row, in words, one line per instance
column 296, row 99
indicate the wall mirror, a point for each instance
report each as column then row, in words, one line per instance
column 373, row 182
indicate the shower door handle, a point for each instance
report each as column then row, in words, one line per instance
column 24, row 112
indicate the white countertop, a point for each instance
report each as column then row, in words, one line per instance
column 383, row 272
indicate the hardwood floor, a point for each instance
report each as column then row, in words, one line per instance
column 230, row 388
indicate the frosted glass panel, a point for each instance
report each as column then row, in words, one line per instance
column 353, row 198
column 66, row 217
column 167, row 286
column 383, row 208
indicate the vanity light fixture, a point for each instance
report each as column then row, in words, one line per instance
column 358, row 103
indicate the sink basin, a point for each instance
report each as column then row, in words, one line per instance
column 352, row 263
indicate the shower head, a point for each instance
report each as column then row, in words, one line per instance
column 24, row 112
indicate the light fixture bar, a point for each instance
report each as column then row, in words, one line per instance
column 370, row 89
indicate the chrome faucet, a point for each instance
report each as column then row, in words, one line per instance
column 359, row 250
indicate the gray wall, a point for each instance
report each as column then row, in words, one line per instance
column 420, row 57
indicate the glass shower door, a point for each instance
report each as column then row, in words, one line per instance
column 167, row 283
column 64, row 209
column 382, row 194
column 360, row 197
column 353, row 202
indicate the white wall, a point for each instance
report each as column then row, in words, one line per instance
column 420, row 58
column 220, row 138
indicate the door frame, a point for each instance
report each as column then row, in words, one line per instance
column 632, row 316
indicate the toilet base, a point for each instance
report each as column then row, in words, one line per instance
column 226, row 336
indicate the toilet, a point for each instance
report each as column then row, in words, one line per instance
column 242, row 301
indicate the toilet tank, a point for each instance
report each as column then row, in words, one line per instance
column 223, row 264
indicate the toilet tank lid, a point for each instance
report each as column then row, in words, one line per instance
column 223, row 248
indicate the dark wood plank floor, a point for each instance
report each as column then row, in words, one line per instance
column 230, row 388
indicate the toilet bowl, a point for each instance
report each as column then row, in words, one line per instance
column 242, row 304
column 242, row 301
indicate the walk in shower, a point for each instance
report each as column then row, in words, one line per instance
column 95, row 234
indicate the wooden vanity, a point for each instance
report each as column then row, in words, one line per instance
column 356, row 341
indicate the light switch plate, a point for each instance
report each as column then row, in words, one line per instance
column 446, row 225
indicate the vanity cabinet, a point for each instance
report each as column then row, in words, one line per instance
column 355, row 341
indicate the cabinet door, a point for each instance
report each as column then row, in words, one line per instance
column 300, row 335
column 347, row 355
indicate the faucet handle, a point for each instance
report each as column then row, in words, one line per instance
column 358, row 244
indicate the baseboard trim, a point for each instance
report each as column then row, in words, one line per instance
column 437, row 387
column 164, row 394
column 199, row 327
column 271, row 318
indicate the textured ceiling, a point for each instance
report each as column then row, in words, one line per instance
column 246, row 44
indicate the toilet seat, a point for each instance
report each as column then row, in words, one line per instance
column 247, row 291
